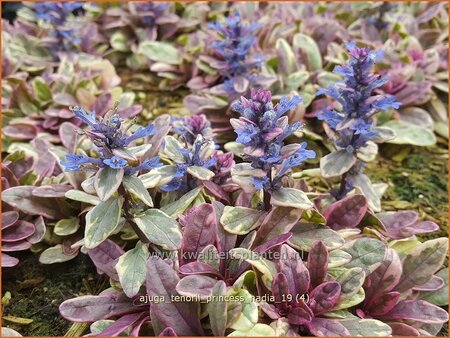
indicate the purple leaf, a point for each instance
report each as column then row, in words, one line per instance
column 130, row 112
column 385, row 277
column 93, row 308
column 103, row 103
column 118, row 326
column 68, row 136
column 8, row 261
column 435, row 283
column 279, row 221
column 21, row 197
column 324, row 297
column 137, row 328
column 274, row 242
column 23, row 244
column 404, row 224
column 9, row 218
column 39, row 232
column 300, row 315
column 419, row 311
column 414, row 93
column 318, row 263
column 321, row 327
column 20, row 230
column 402, row 329
column 346, row 213
column 384, row 303
column 168, row 332
column 161, row 282
column 196, row 286
column 280, row 289
column 216, row 191
column 200, row 230
column 105, row 257
column 23, row 132
column 199, row 268
column 297, row 275
column 46, row 162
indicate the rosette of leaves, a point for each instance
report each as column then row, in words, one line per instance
column 114, row 189
column 422, row 71
column 406, row 290
column 24, row 207
column 352, row 126
column 353, row 213
column 38, row 106
column 262, row 130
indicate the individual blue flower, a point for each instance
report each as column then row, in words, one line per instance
column 115, row 162
column 77, row 162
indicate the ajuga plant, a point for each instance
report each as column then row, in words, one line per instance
column 237, row 65
column 115, row 167
column 262, row 130
column 351, row 127
column 56, row 14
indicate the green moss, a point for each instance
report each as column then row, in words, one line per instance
column 37, row 291
column 418, row 182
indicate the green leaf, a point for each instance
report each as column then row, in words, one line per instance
column 160, row 229
column 337, row 258
column 179, row 206
column 55, row 254
column 286, row 57
column 259, row 330
column 351, row 281
column 356, row 299
column 119, row 41
column 101, row 221
column 290, row 197
column 132, row 269
column 107, row 181
column 365, row 186
column 440, row 296
column 200, row 173
column 408, row 133
column 67, row 226
column 249, row 314
column 158, row 176
column 240, row 220
column 42, row 89
column 160, row 52
column 367, row 253
column 309, row 49
column 81, row 196
column 266, row 267
column 422, row 263
column 306, row 234
column 135, row 186
column 366, row 327
column 217, row 309
column 336, row 163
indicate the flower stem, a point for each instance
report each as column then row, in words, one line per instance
column 128, row 216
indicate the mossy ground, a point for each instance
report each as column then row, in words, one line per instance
column 37, row 291
column 417, row 180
